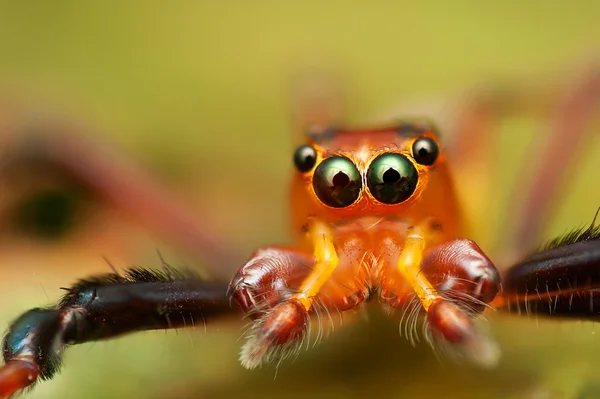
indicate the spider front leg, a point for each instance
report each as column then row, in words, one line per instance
column 562, row 280
column 104, row 307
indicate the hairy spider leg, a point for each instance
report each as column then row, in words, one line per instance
column 561, row 280
column 103, row 307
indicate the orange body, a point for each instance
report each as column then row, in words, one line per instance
column 378, row 217
column 368, row 235
column 435, row 195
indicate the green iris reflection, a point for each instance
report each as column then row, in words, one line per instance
column 337, row 182
column 392, row 178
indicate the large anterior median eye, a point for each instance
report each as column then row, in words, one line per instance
column 392, row 178
column 337, row 182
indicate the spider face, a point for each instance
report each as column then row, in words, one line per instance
column 350, row 174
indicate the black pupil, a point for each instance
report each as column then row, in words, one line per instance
column 425, row 151
column 391, row 176
column 340, row 180
column 305, row 158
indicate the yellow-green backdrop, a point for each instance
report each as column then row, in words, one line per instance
column 197, row 90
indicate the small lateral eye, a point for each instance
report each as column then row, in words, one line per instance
column 425, row 151
column 305, row 158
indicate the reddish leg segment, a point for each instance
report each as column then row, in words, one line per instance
column 461, row 271
column 460, row 281
column 468, row 282
column 456, row 279
column 270, row 277
column 269, row 290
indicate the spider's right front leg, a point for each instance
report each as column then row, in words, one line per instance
column 279, row 287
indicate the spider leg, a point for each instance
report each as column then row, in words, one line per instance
column 65, row 149
column 566, row 110
column 104, row 307
column 562, row 280
column 566, row 134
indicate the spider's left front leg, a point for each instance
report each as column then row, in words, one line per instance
column 104, row 307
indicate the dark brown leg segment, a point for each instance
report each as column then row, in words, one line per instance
column 104, row 307
column 562, row 281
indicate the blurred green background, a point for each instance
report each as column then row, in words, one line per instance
column 198, row 92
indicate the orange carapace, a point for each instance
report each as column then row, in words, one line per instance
column 377, row 218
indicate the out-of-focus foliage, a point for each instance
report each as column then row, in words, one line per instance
column 199, row 91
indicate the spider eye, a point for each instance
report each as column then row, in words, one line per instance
column 425, row 151
column 337, row 182
column 392, row 178
column 305, row 158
